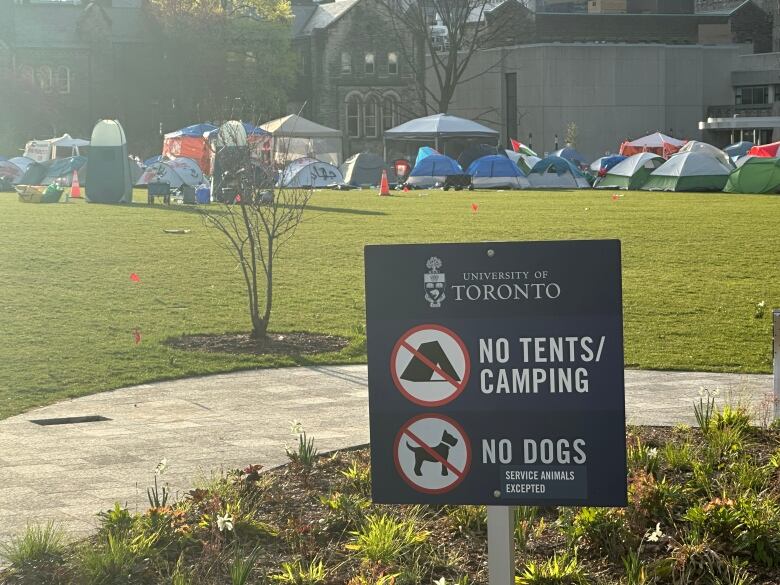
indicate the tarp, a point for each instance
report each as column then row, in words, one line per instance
column 709, row 150
column 765, row 150
column 738, row 149
column 631, row 173
column 572, row 155
column 422, row 152
column 47, row 172
column 476, row 151
column 309, row 172
column 689, row 171
column 554, row 172
column 755, row 175
column 196, row 142
column 657, row 143
column 176, row 172
column 433, row 169
column 296, row 137
column 496, row 172
column 438, row 126
column 365, row 168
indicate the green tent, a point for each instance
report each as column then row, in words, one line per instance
column 755, row 175
column 690, row 171
column 631, row 173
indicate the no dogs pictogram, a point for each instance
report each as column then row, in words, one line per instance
column 432, row 453
column 430, row 365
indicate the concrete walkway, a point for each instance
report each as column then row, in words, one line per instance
column 70, row 472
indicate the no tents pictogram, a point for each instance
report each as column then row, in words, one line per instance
column 430, row 365
column 432, row 453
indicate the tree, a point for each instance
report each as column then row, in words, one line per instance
column 442, row 51
column 255, row 221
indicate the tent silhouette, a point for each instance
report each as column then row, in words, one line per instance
column 417, row 371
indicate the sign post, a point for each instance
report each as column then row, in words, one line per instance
column 495, row 376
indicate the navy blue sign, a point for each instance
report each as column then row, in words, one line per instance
column 495, row 373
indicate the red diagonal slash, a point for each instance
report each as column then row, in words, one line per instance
column 433, row 453
column 430, row 364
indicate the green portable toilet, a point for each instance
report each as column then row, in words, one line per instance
column 691, row 171
column 755, row 175
column 631, row 173
column 108, row 171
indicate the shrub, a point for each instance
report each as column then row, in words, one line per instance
column 37, row 546
column 116, row 560
column 468, row 519
column 602, row 529
column 296, row 573
column 386, row 540
column 651, row 501
column 117, row 520
column 358, row 478
column 730, row 417
column 344, row 510
column 696, row 562
column 563, row 570
column 678, row 456
column 641, row 457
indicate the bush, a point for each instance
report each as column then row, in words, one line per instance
column 38, row 545
column 603, row 530
column 468, row 519
column 563, row 570
column 386, row 540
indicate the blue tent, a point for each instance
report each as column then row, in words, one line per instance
column 433, row 169
column 196, row 130
column 496, row 171
column 557, row 173
column 606, row 162
column 570, row 154
column 424, row 152
column 153, row 160
column 738, row 149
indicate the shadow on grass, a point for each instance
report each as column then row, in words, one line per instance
column 342, row 210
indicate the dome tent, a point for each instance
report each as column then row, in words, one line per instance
column 690, row 171
column 496, row 172
column 554, row 172
column 571, row 155
column 755, row 175
column 709, row 150
column 310, row 173
column 177, row 172
column 433, row 169
column 365, row 168
column 632, row 173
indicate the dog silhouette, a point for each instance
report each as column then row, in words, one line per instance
column 443, row 449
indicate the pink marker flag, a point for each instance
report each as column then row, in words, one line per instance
column 474, row 207
column 137, row 335
column 134, row 277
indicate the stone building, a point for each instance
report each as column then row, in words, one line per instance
column 353, row 75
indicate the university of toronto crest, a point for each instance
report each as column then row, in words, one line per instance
column 434, row 283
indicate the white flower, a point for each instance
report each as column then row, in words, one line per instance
column 655, row 534
column 761, row 304
column 225, row 523
column 296, row 428
column 161, row 466
column 652, row 453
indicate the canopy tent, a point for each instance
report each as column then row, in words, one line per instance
column 765, row 150
column 439, row 128
column 62, row 147
column 176, row 172
column 47, row 172
column 296, row 137
column 689, row 171
column 631, row 173
column 496, row 172
column 423, row 152
column 11, row 172
column 365, row 169
column 738, row 149
column 191, row 142
column 554, row 172
column 476, row 151
column 657, row 143
column 709, row 150
column 603, row 164
column 755, row 175
column 310, row 173
column 433, row 169
column 572, row 155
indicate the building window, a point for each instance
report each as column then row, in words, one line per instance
column 43, row 78
column 389, row 113
column 369, row 63
column 353, row 117
column 346, row 62
column 752, row 96
column 392, row 63
column 369, row 118
column 62, row 80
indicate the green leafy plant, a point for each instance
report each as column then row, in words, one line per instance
column 385, row 539
column 733, row 417
column 117, row 520
column 559, row 570
column 116, row 560
column 525, row 517
column 636, row 572
column 704, row 409
column 39, row 544
column 468, row 519
column 678, row 456
column 640, row 457
column 306, row 453
column 345, row 510
column 695, row 562
column 241, row 567
column 298, row 573
column 602, row 529
column 358, row 477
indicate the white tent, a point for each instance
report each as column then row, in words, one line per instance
column 43, row 150
column 709, row 150
column 177, row 172
column 296, row 137
column 310, row 173
column 689, row 171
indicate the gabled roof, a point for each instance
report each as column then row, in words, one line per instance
column 322, row 16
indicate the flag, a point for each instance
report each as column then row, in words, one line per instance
column 521, row 148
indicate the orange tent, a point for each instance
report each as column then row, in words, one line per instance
column 190, row 142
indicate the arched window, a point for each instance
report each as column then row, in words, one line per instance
column 43, row 78
column 353, row 116
column 392, row 63
column 62, row 80
column 389, row 112
column 346, row 62
column 369, row 63
column 370, row 117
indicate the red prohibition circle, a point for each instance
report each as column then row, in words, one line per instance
column 408, row 480
column 459, row 388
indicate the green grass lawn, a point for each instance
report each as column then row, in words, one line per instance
column 694, row 267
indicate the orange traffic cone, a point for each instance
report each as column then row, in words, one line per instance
column 384, row 186
column 75, row 188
